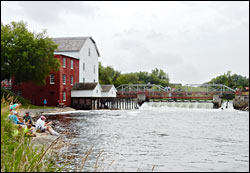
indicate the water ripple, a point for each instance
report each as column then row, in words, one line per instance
column 172, row 139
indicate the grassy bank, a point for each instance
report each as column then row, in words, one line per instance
column 17, row 153
column 26, row 104
column 6, row 95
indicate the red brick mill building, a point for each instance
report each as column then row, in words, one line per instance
column 79, row 64
column 58, row 84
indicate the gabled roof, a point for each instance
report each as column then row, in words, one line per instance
column 65, row 55
column 84, row 86
column 106, row 88
column 72, row 44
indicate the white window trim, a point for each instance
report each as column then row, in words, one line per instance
column 71, row 80
column 83, row 66
column 64, row 93
column 64, row 62
column 64, row 80
column 50, row 79
column 71, row 64
column 94, row 69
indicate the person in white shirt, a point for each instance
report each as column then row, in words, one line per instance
column 42, row 126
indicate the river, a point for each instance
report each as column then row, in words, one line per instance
column 158, row 137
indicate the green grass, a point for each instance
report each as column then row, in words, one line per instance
column 193, row 89
column 17, row 153
column 26, row 104
column 30, row 106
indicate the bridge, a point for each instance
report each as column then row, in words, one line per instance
column 187, row 92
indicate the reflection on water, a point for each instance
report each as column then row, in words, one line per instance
column 159, row 137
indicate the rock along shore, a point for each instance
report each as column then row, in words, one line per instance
column 45, row 139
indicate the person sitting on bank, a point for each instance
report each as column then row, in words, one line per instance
column 11, row 104
column 28, row 119
column 14, row 107
column 18, row 130
column 42, row 126
column 14, row 118
column 20, row 118
column 28, row 131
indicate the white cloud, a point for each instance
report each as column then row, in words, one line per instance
column 191, row 41
column 51, row 12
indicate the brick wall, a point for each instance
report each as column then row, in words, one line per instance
column 52, row 92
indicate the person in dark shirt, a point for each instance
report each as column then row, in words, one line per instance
column 28, row 119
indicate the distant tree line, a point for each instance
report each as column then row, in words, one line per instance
column 108, row 75
column 233, row 81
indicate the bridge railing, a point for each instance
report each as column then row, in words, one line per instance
column 195, row 91
column 187, row 88
column 140, row 87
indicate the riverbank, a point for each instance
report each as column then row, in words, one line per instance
column 27, row 157
column 35, row 113
column 46, row 139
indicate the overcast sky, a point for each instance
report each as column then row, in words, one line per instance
column 192, row 42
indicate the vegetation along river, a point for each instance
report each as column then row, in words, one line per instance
column 158, row 137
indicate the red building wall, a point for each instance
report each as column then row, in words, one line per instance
column 52, row 92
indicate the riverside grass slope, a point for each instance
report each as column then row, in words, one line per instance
column 17, row 153
column 26, row 104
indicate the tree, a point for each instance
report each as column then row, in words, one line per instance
column 107, row 75
column 128, row 78
column 143, row 77
column 159, row 77
column 26, row 56
column 233, row 81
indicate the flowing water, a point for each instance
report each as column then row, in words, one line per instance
column 158, row 137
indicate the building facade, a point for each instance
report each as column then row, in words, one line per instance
column 85, row 95
column 83, row 90
column 108, row 91
column 77, row 79
column 58, row 84
column 85, row 49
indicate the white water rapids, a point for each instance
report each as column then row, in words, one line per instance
column 159, row 136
